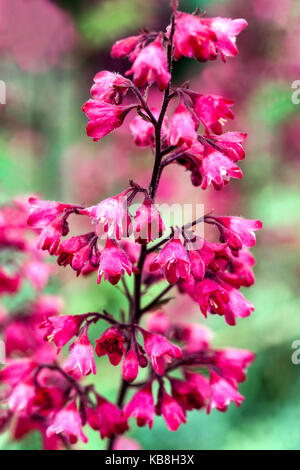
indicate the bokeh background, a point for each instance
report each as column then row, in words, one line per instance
column 49, row 53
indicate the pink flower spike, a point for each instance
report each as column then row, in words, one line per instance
column 223, row 393
column 111, row 342
column 113, row 263
column 130, row 366
column 172, row 412
column 67, row 422
column 109, row 87
column 104, row 117
column 173, row 260
column 160, row 351
column 150, row 66
column 141, row 407
column 183, row 127
column 148, row 224
column 61, row 329
column 81, row 360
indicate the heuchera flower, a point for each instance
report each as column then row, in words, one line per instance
column 113, row 263
column 141, row 407
column 9, row 284
column 233, row 363
column 42, row 213
column 173, row 260
column 50, row 236
column 240, row 231
column 150, row 66
column 61, row 329
column 230, row 144
column 160, row 351
column 106, row 418
column 21, row 398
column 222, row 393
column 104, row 117
column 186, row 394
column 183, row 127
column 226, row 31
column 143, row 131
column 211, row 296
column 109, row 87
column 111, row 342
column 81, row 360
column 148, row 224
column 172, row 412
column 237, row 306
column 213, row 111
column 217, row 169
column 124, row 47
column 68, row 423
column 130, row 366
column 111, row 216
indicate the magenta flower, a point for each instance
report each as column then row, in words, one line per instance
column 109, row 87
column 222, row 393
column 143, row 131
column 160, row 351
column 61, row 329
column 67, row 422
column 111, row 216
column 141, row 407
column 226, row 31
column 148, row 224
column 43, row 213
column 193, row 38
column 183, row 127
column 104, row 117
column 81, row 360
column 111, row 342
column 113, row 263
column 237, row 306
column 213, row 111
column 217, row 169
column 150, row 66
column 230, row 144
column 50, row 236
column 187, row 395
column 240, row 231
column 211, row 296
column 21, row 398
column 124, row 47
column 172, row 412
column 130, row 366
column 106, row 418
column 233, row 363
column 173, row 260
column 9, row 283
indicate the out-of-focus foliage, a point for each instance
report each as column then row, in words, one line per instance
column 43, row 148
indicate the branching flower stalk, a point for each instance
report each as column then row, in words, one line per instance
column 42, row 390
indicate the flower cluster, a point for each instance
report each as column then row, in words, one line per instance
column 160, row 351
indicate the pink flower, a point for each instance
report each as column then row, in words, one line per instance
column 211, row 296
column 109, row 87
column 237, row 306
column 111, row 342
column 183, row 127
column 240, row 232
column 237, row 270
column 111, row 216
column 113, row 263
column 196, row 337
column 50, row 236
column 150, row 66
column 187, row 395
column 16, row 371
column 230, row 144
column 61, row 329
column 222, row 393
column 67, row 422
column 193, row 38
column 148, row 224
column 124, row 47
column 158, row 323
column 103, row 117
column 141, row 407
column 217, row 169
column 143, row 130
column 172, row 412
column 130, row 366
column 213, row 111
column 233, row 363
column 81, row 360
column 106, row 418
column 43, row 213
column 173, row 260
column 37, row 272
column 21, row 398
column 160, row 351
column 226, row 31
column 9, row 284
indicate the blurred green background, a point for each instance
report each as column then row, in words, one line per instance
column 48, row 70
